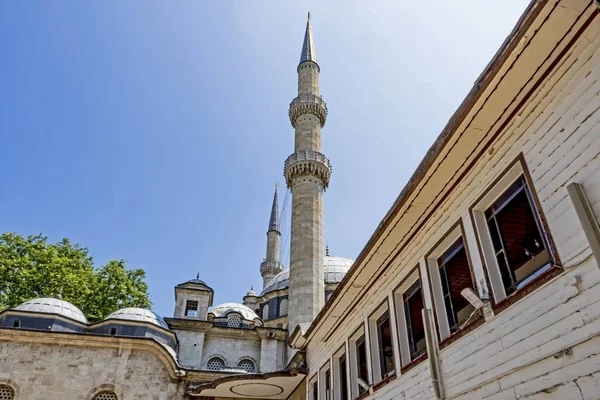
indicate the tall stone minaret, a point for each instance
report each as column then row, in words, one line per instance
column 271, row 266
column 307, row 173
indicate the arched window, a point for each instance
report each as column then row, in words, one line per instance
column 215, row 364
column 265, row 313
column 247, row 365
column 234, row 321
column 283, row 307
column 6, row 392
column 106, row 395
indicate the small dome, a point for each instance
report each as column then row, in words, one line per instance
column 223, row 309
column 334, row 269
column 251, row 293
column 53, row 306
column 139, row 314
column 197, row 281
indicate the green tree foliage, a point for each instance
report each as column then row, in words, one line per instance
column 30, row 267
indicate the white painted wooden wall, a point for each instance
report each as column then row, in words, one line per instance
column 511, row 356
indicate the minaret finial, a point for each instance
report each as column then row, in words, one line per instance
column 198, row 275
column 327, row 251
column 308, row 47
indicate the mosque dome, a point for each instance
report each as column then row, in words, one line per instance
column 222, row 310
column 138, row 314
column 334, row 269
column 53, row 306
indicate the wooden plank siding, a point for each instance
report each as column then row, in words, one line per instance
column 511, row 356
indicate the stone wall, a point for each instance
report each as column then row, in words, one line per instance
column 59, row 372
column 231, row 350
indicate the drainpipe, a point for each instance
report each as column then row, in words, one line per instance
column 585, row 213
column 432, row 353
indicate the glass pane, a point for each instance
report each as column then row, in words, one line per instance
column 507, row 196
column 343, row 379
column 456, row 276
column 361, row 351
column 521, row 236
column 386, row 352
column 493, row 229
column 413, row 304
column 505, row 273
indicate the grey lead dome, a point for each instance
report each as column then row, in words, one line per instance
column 334, row 269
column 49, row 305
column 223, row 309
column 139, row 314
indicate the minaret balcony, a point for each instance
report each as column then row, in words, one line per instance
column 308, row 103
column 270, row 267
column 307, row 164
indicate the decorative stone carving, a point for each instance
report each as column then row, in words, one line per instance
column 307, row 163
column 308, row 103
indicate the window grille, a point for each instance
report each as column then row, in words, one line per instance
column 6, row 392
column 265, row 313
column 215, row 364
column 283, row 307
column 234, row 321
column 247, row 365
column 191, row 308
column 105, row 396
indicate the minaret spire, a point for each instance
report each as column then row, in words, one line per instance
column 271, row 265
column 274, row 220
column 308, row 48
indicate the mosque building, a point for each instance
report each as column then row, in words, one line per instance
column 481, row 281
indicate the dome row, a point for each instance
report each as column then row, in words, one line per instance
column 68, row 310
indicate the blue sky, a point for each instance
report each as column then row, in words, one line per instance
column 156, row 131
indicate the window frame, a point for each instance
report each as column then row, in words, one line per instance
column 246, row 359
column 455, row 233
column 15, row 392
column 499, row 299
column 187, row 309
column 374, row 333
column 337, row 377
column 217, row 357
column 239, row 319
column 353, row 360
column 406, row 359
column 313, row 384
column 105, row 392
column 324, row 381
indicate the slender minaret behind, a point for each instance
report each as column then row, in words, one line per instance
column 271, row 266
column 307, row 173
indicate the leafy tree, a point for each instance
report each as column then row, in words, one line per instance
column 30, row 267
